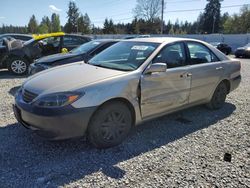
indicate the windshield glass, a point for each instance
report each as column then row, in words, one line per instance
column 125, row 55
column 86, row 47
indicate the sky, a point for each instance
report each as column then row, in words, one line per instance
column 18, row 12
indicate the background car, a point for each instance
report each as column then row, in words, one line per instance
column 243, row 51
column 17, row 56
column 81, row 53
column 130, row 82
column 223, row 47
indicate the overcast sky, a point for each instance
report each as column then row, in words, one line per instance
column 18, row 12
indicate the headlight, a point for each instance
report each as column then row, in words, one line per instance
column 44, row 66
column 57, row 99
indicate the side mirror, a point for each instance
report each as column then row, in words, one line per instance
column 64, row 50
column 156, row 67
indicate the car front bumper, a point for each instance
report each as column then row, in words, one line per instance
column 53, row 123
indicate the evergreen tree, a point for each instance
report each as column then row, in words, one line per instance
column 83, row 23
column 109, row 27
column 46, row 21
column 55, row 23
column 212, row 16
column 87, row 24
column 32, row 25
column 42, row 28
column 73, row 15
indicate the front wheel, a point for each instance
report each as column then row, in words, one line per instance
column 18, row 65
column 110, row 125
column 219, row 97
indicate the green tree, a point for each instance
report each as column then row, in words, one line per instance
column 32, row 25
column 55, row 23
column 46, row 21
column 73, row 15
column 42, row 28
column 135, row 27
column 212, row 16
column 223, row 19
column 245, row 19
column 238, row 23
column 83, row 23
column 109, row 27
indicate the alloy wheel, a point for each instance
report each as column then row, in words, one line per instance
column 18, row 66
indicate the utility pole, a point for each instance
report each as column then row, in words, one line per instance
column 214, row 23
column 162, row 12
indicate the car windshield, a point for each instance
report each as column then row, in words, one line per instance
column 86, row 47
column 125, row 56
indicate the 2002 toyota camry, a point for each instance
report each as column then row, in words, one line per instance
column 128, row 83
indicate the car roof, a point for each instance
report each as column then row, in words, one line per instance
column 107, row 40
column 76, row 35
column 16, row 34
column 161, row 39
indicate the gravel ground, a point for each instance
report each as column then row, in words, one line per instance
column 184, row 149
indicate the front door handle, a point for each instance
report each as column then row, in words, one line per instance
column 185, row 75
column 219, row 68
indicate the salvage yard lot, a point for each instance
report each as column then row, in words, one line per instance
column 181, row 149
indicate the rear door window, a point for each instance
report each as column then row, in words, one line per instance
column 200, row 53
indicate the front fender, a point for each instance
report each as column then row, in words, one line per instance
column 125, row 87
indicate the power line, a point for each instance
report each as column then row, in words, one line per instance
column 191, row 10
column 184, row 1
column 125, row 13
column 116, row 20
column 110, row 3
column 172, row 11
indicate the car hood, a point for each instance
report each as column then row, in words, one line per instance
column 56, row 57
column 68, row 78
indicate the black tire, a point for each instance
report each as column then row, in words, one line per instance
column 219, row 97
column 18, row 65
column 110, row 125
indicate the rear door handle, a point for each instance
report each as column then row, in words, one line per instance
column 219, row 68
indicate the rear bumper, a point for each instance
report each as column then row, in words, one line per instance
column 54, row 124
column 235, row 82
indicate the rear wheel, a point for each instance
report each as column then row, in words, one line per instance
column 110, row 125
column 219, row 97
column 18, row 65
